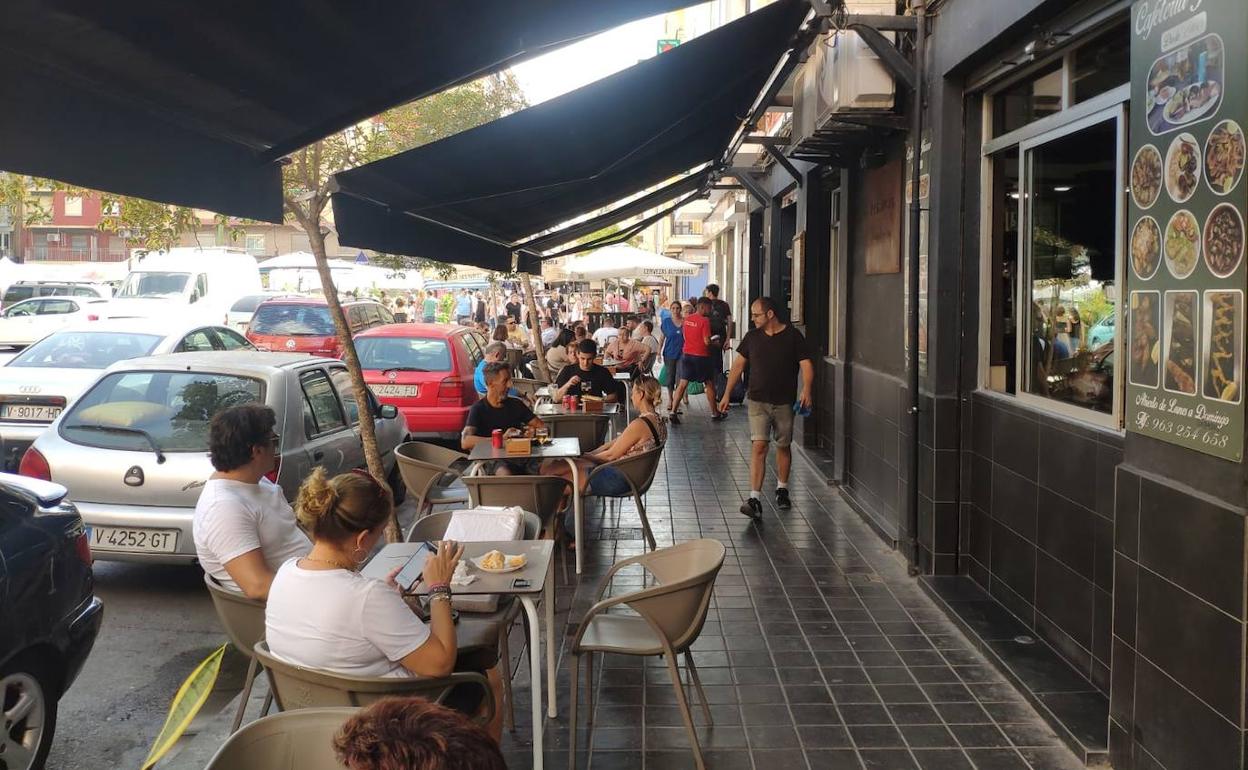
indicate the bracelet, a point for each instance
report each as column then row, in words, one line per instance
column 440, row 597
column 440, row 591
column 436, row 586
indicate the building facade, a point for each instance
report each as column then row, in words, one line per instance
column 1098, row 562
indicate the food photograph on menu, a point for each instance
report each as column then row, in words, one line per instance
column 1145, row 337
column 1222, row 342
column 1145, row 247
column 1223, row 240
column 1146, row 176
column 1186, row 85
column 1182, row 167
column 1180, row 321
column 1224, row 157
column 1182, row 246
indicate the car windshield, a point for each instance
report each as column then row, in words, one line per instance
column 412, row 353
column 85, row 350
column 153, row 284
column 292, row 320
column 173, row 408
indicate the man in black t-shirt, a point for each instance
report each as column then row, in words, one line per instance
column 776, row 352
column 498, row 411
column 586, row 378
column 513, row 307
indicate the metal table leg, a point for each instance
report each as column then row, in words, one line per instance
column 549, row 600
column 579, row 528
column 535, row 677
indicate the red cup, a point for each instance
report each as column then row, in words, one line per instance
column 496, row 438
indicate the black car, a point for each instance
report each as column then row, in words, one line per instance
column 49, row 616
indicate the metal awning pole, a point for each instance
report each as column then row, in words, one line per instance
column 916, row 139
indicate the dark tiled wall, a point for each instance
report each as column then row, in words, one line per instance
column 1038, row 525
column 1177, row 693
column 940, row 481
column 874, row 446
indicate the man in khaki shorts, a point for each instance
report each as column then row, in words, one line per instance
column 777, row 352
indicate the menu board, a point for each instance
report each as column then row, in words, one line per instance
column 1185, row 231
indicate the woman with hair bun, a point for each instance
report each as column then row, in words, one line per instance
column 323, row 614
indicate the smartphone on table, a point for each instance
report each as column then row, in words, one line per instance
column 409, row 575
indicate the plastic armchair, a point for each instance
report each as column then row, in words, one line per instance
column 588, row 427
column 243, row 621
column 429, row 473
column 669, row 617
column 293, row 740
column 433, row 527
column 298, row 687
column 542, row 495
column 638, row 470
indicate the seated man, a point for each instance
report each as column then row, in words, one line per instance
column 495, row 352
column 243, row 527
column 586, row 378
column 499, row 411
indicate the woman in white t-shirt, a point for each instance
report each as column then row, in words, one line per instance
column 323, row 614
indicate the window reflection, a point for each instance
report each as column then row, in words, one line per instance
column 1071, row 221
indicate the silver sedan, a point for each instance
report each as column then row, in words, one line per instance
column 37, row 384
column 133, row 450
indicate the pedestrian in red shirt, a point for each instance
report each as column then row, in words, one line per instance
column 695, row 361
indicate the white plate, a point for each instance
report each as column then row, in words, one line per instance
column 29, row 412
column 133, row 539
column 477, row 563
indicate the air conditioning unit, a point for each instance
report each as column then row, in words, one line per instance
column 853, row 78
column 807, row 108
column 54, row 237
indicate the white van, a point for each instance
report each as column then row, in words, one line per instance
column 193, row 283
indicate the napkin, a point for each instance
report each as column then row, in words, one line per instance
column 474, row 525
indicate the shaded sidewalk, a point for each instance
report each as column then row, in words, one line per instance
column 819, row 650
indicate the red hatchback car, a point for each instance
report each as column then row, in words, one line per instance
column 426, row 371
column 303, row 324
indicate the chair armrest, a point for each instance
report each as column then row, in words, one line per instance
column 606, row 580
column 442, row 686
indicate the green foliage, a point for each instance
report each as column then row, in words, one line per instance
column 446, row 309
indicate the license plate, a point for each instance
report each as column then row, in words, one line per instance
column 396, row 390
column 134, row 539
column 29, row 412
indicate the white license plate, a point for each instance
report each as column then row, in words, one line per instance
column 29, row 412
column 134, row 539
column 396, row 390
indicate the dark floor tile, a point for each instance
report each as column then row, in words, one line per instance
column 997, row 759
column 789, row 758
column 979, row 736
column 817, row 715
column 962, row 713
column 807, row 694
column 824, row 737
column 774, row 736
column 854, row 693
column 876, row 737
column 890, row 675
column 901, row 693
column 1052, row 759
column 835, row 759
column 759, row 714
column 886, row 759
column 928, row 736
column 914, row 714
column 859, row 714
column 942, row 759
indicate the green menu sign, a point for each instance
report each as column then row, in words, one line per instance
column 1185, row 229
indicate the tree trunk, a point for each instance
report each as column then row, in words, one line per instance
column 368, row 431
column 537, row 328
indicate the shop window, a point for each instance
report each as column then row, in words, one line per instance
column 1028, row 100
column 255, row 244
column 73, row 206
column 1102, row 64
column 1002, row 272
column 1071, row 214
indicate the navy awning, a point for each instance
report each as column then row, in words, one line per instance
column 471, row 198
column 193, row 102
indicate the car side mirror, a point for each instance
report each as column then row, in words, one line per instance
column 388, row 411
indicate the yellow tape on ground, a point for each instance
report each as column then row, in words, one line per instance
column 186, row 704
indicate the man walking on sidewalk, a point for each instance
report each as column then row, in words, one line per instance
column 776, row 352
column 695, row 362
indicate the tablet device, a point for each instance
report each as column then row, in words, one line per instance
column 410, row 574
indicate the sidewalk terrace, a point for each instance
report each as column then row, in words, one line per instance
column 819, row 651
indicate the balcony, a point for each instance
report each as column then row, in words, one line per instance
column 68, row 254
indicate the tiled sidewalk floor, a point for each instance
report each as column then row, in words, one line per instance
column 819, row 651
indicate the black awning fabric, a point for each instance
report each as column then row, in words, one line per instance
column 193, row 101
column 528, row 172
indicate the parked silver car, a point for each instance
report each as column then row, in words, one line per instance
column 37, row 384
column 133, row 450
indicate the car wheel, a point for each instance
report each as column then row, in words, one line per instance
column 28, row 702
column 397, row 488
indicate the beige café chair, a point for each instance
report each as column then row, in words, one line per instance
column 476, row 624
column 430, row 475
column 669, row 617
column 292, row 740
column 639, row 470
column 588, row 427
column 297, row 687
column 243, row 621
column 541, row 495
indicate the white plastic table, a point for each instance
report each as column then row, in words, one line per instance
column 539, row 571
